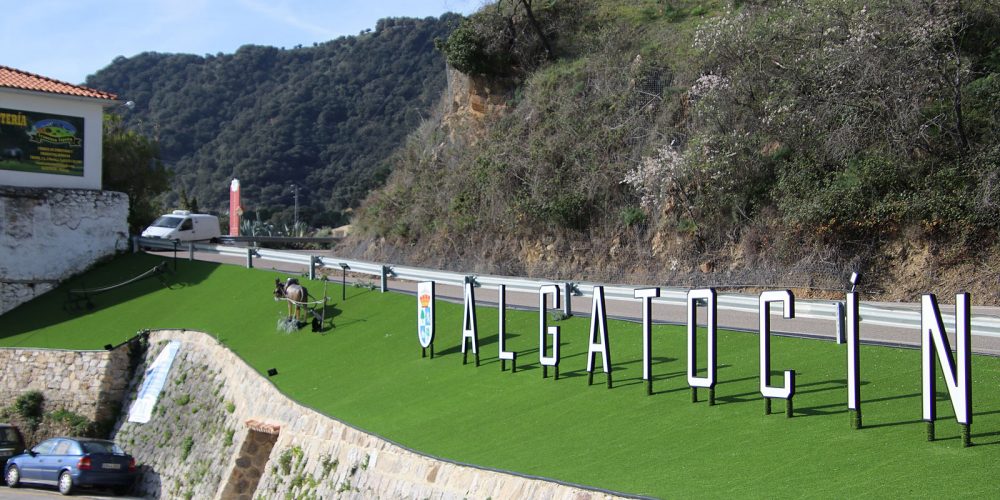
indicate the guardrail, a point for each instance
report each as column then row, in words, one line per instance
column 278, row 239
column 899, row 317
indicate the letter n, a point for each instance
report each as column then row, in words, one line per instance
column 933, row 340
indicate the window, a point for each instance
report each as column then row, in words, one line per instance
column 62, row 448
column 9, row 437
column 45, row 448
column 187, row 225
column 101, row 447
column 74, row 448
column 167, row 221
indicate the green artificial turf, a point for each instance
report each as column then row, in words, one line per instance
column 368, row 372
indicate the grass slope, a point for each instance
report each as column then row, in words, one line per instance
column 368, row 371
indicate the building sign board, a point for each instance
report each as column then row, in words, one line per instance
column 43, row 143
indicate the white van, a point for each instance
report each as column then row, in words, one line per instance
column 184, row 226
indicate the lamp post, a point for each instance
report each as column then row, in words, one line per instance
column 343, row 283
column 295, row 224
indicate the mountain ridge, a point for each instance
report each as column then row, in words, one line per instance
column 322, row 118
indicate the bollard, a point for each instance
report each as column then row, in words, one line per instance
column 191, row 251
column 385, row 280
column 841, row 324
column 249, row 258
column 568, row 303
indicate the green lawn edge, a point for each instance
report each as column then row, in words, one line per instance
column 368, row 372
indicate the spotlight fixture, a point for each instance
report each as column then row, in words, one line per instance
column 109, row 347
column 272, row 372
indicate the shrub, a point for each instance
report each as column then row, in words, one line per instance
column 285, row 461
column 78, row 424
column 186, row 446
column 633, row 217
column 866, row 197
column 29, row 407
column 329, row 465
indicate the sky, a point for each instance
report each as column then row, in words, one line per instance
column 70, row 39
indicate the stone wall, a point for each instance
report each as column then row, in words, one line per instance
column 90, row 383
column 214, row 401
column 48, row 235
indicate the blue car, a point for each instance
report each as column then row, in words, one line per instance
column 71, row 462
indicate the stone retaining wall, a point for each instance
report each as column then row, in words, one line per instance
column 48, row 235
column 90, row 383
column 314, row 456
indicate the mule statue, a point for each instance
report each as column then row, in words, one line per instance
column 296, row 295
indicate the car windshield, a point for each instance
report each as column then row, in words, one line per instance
column 168, row 221
column 101, row 447
column 8, row 437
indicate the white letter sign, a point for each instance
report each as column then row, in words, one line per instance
column 787, row 390
column 647, row 294
column 504, row 354
column 598, row 337
column 553, row 331
column 932, row 336
column 470, row 327
column 853, row 368
column 708, row 295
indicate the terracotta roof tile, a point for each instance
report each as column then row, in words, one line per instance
column 17, row 79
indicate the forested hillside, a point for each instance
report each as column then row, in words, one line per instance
column 324, row 117
column 753, row 143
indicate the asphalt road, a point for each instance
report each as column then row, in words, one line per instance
column 35, row 492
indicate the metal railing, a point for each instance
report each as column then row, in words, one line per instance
column 883, row 315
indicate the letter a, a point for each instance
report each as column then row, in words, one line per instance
column 470, row 327
column 599, row 324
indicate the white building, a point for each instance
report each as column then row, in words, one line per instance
column 54, row 219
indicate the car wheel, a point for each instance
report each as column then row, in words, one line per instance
column 13, row 477
column 65, row 483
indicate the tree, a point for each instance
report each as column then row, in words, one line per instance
column 534, row 25
column 132, row 165
column 189, row 203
